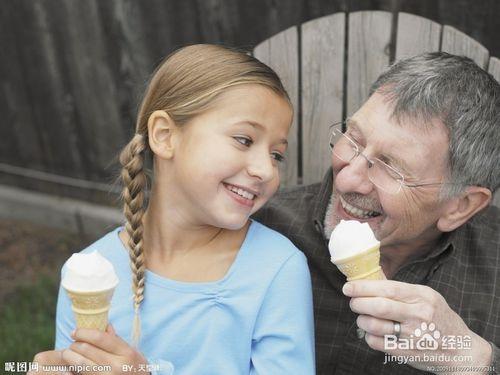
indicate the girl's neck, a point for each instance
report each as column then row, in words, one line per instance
column 171, row 237
column 189, row 253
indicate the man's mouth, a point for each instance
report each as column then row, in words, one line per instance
column 357, row 212
column 242, row 192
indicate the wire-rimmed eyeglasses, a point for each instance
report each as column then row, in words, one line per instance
column 380, row 173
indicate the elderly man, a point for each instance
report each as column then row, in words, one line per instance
column 418, row 162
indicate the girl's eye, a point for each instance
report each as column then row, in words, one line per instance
column 245, row 141
column 278, row 156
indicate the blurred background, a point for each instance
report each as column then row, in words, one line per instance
column 72, row 74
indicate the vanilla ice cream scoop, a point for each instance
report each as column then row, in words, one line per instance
column 349, row 238
column 89, row 273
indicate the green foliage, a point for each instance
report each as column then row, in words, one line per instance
column 27, row 320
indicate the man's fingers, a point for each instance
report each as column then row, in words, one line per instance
column 111, row 343
column 382, row 308
column 375, row 342
column 375, row 326
column 381, row 327
column 395, row 290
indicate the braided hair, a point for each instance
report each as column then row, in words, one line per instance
column 134, row 184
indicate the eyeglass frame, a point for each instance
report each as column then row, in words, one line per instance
column 357, row 153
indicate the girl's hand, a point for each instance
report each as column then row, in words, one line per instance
column 94, row 350
column 49, row 358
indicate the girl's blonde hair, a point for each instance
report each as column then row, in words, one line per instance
column 184, row 86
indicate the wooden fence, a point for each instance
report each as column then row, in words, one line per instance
column 73, row 73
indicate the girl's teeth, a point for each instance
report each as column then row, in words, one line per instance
column 241, row 192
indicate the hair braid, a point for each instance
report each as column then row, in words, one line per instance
column 134, row 184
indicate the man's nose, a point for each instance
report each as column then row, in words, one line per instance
column 260, row 165
column 353, row 176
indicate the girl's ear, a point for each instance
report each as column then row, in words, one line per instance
column 161, row 133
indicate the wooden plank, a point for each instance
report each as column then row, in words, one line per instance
column 416, row 35
column 322, row 90
column 51, row 101
column 458, row 43
column 94, row 90
column 19, row 143
column 368, row 53
column 280, row 52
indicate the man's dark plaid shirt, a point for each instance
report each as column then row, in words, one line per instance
column 465, row 269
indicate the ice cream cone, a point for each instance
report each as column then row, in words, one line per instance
column 91, row 308
column 362, row 266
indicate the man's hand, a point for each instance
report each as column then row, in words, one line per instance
column 381, row 303
column 93, row 347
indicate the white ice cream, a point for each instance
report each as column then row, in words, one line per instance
column 89, row 272
column 349, row 238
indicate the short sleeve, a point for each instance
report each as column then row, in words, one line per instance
column 283, row 339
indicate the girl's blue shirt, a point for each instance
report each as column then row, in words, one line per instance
column 257, row 319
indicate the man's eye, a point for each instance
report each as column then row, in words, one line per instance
column 351, row 136
column 278, row 156
column 355, row 139
column 245, row 141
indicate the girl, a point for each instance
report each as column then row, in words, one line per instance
column 217, row 293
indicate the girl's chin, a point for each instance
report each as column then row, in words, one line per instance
column 235, row 222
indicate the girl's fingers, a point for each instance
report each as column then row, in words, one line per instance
column 82, row 364
column 106, row 341
column 92, row 353
column 51, row 357
column 110, row 329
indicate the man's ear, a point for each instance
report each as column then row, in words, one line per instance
column 161, row 133
column 460, row 209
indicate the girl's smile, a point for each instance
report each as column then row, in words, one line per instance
column 241, row 195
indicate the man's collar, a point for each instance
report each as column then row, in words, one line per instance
column 321, row 203
column 447, row 243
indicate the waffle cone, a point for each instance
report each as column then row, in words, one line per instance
column 362, row 266
column 91, row 308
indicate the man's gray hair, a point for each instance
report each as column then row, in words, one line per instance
column 465, row 98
